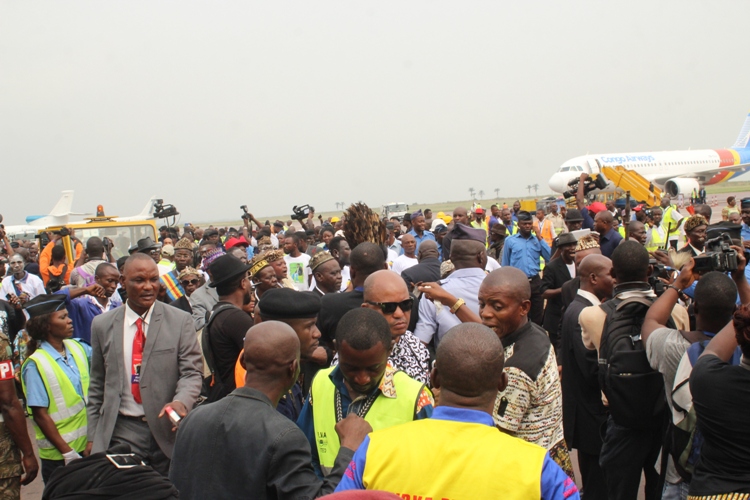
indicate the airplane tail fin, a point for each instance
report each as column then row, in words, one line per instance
column 148, row 210
column 742, row 139
column 63, row 206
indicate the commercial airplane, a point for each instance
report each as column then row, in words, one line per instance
column 674, row 171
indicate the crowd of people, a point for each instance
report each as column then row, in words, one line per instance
column 461, row 355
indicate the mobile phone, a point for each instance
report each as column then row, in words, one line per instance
column 173, row 416
column 125, row 461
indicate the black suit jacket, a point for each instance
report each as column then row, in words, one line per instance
column 555, row 275
column 583, row 411
column 426, row 270
column 241, row 447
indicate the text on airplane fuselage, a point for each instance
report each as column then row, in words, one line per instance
column 624, row 159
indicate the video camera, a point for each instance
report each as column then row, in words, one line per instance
column 659, row 271
column 718, row 256
column 162, row 211
column 246, row 214
column 590, row 184
column 302, row 212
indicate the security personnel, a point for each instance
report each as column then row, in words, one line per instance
column 14, row 436
column 656, row 236
column 425, row 460
column 55, row 380
column 362, row 383
column 672, row 218
column 525, row 251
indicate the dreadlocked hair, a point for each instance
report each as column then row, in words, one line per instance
column 361, row 224
column 38, row 330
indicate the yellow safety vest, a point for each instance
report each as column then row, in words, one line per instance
column 675, row 229
column 657, row 241
column 423, row 459
column 483, row 226
column 66, row 408
column 385, row 412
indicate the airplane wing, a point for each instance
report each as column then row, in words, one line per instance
column 702, row 175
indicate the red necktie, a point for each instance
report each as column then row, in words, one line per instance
column 135, row 370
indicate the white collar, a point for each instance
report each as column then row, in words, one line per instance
column 697, row 252
column 131, row 316
column 590, row 296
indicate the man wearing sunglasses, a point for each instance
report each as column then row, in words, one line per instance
column 190, row 280
column 386, row 292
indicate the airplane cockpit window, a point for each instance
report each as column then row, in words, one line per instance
column 564, row 169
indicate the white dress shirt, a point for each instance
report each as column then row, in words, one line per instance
column 128, row 406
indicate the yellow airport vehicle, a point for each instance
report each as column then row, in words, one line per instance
column 122, row 234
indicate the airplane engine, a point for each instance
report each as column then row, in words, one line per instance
column 678, row 185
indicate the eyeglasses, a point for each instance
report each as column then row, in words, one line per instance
column 390, row 307
column 193, row 282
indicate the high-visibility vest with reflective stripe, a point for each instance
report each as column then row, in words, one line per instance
column 657, row 241
column 66, row 408
column 385, row 412
column 675, row 229
column 475, row 461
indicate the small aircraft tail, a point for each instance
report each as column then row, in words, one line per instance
column 63, row 206
column 148, row 210
column 742, row 139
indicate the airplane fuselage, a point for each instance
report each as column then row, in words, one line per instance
column 684, row 169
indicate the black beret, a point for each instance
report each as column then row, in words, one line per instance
column 285, row 303
column 210, row 232
column 745, row 203
column 45, row 304
column 461, row 232
column 523, row 215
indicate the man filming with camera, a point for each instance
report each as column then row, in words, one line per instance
column 634, row 429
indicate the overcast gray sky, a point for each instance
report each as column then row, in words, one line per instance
column 211, row 105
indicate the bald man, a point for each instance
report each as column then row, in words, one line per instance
column 428, row 268
column 609, row 238
column 637, row 232
column 583, row 411
column 386, row 293
column 266, row 456
column 531, row 406
column 484, row 463
column 409, row 256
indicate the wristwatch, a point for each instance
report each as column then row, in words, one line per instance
column 457, row 305
column 679, row 292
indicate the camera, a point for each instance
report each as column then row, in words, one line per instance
column 246, row 214
column 162, row 211
column 659, row 271
column 719, row 255
column 301, row 212
column 590, row 184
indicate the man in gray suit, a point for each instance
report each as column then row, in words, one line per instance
column 145, row 357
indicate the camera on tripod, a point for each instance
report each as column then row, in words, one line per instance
column 162, row 211
column 590, row 184
column 302, row 212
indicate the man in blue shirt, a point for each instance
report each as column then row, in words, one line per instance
column 469, row 373
column 608, row 237
column 524, row 251
column 84, row 304
column 418, row 229
column 745, row 213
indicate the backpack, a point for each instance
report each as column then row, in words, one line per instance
column 55, row 283
column 213, row 387
column 635, row 391
column 683, row 438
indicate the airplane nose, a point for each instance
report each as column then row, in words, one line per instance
column 558, row 183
